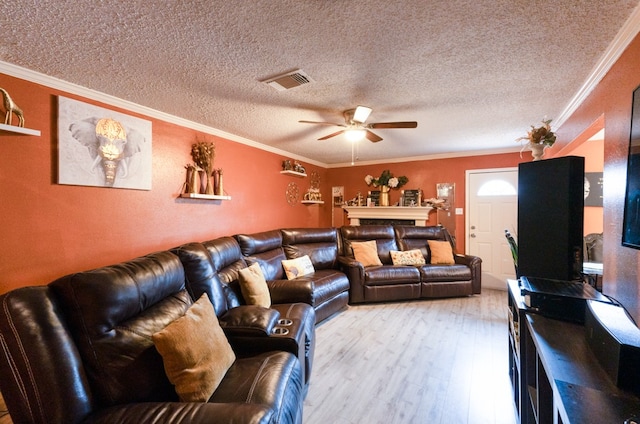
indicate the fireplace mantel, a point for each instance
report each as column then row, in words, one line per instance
column 419, row 214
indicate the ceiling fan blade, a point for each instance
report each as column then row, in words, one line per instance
column 372, row 137
column 322, row 123
column 383, row 125
column 331, row 135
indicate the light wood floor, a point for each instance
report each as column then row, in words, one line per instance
column 427, row 361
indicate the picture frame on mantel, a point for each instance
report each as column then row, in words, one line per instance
column 102, row 148
column 631, row 220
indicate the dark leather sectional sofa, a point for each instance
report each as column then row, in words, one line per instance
column 80, row 348
column 389, row 282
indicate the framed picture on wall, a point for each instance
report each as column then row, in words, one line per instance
column 593, row 189
column 103, row 148
column 631, row 222
column 338, row 196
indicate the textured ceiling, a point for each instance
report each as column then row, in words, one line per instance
column 474, row 74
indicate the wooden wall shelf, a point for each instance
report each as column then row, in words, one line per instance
column 203, row 196
column 19, row 130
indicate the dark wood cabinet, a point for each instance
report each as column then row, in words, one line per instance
column 556, row 378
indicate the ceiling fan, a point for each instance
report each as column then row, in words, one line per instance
column 355, row 127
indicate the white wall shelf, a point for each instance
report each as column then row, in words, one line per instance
column 294, row 173
column 19, row 130
column 313, row 202
column 204, row 196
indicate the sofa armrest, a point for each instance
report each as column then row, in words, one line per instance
column 355, row 273
column 249, row 321
column 299, row 290
column 475, row 264
column 183, row 413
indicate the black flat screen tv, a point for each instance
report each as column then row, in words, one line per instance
column 625, row 288
column 631, row 223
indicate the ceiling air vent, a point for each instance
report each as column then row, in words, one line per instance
column 289, row 80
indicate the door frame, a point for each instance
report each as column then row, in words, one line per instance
column 467, row 200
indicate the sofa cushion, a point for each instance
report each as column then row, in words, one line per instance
column 410, row 257
column 447, row 273
column 366, row 252
column 254, row 286
column 391, row 275
column 201, row 276
column 112, row 313
column 266, row 249
column 383, row 235
column 441, row 252
column 320, row 244
column 195, row 352
column 298, row 267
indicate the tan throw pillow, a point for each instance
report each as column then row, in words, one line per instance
column 254, row 286
column 409, row 257
column 366, row 252
column 298, row 267
column 195, row 352
column 441, row 252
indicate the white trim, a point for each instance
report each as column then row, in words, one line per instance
column 613, row 52
column 449, row 155
column 623, row 38
column 67, row 87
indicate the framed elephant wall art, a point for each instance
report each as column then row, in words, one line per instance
column 103, row 148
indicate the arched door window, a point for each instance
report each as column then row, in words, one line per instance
column 497, row 188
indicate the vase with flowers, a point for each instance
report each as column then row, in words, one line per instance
column 538, row 139
column 203, row 154
column 386, row 181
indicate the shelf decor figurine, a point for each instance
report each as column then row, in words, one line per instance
column 10, row 108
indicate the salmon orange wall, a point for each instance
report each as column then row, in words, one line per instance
column 612, row 98
column 423, row 174
column 49, row 230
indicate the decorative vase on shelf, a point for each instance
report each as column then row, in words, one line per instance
column 537, row 150
column 191, row 186
column 384, row 195
column 219, row 189
column 210, row 188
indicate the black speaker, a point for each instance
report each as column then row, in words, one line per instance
column 615, row 341
column 551, row 218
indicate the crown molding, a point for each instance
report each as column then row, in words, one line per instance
column 615, row 49
column 78, row 90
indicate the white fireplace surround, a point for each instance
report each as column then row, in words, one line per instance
column 419, row 214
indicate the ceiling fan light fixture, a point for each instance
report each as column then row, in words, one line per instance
column 355, row 134
column 361, row 114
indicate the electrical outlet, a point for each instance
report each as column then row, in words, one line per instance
column 459, row 211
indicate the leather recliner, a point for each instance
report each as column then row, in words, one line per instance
column 326, row 290
column 80, row 350
column 212, row 267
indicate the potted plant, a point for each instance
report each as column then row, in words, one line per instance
column 539, row 138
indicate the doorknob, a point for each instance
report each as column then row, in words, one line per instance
column 472, row 235
column 473, row 227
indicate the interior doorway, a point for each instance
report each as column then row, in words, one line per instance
column 492, row 205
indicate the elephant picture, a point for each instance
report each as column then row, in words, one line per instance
column 100, row 147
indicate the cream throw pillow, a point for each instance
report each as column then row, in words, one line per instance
column 441, row 252
column 254, row 286
column 195, row 352
column 366, row 252
column 298, row 267
column 408, row 257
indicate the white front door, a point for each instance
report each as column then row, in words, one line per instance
column 492, row 205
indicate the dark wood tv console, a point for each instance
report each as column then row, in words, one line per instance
column 555, row 376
